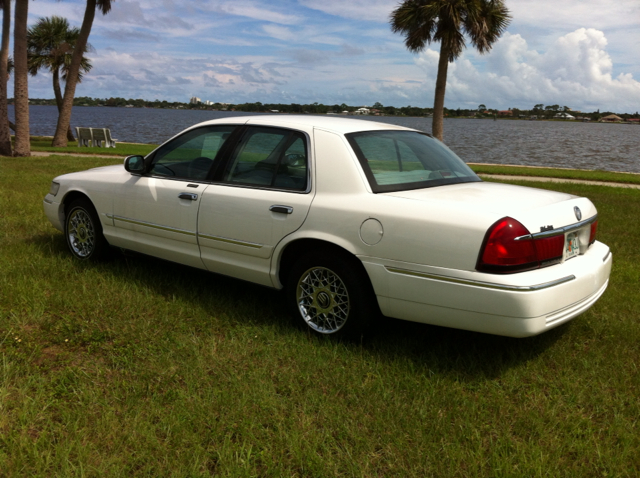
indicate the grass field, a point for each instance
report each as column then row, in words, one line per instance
column 137, row 367
column 605, row 176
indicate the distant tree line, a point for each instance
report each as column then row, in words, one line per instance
column 540, row 111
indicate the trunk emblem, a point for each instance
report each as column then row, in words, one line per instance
column 576, row 209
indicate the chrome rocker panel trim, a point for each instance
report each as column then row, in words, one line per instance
column 150, row 224
column 185, row 232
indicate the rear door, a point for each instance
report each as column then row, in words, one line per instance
column 263, row 194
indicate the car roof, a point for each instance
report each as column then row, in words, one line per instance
column 336, row 124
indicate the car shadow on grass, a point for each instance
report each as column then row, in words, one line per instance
column 464, row 355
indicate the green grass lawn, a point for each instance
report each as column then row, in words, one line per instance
column 605, row 176
column 138, row 367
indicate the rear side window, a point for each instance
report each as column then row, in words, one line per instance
column 400, row 160
column 190, row 156
column 271, row 158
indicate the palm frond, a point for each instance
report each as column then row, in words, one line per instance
column 104, row 6
column 425, row 21
column 51, row 42
column 414, row 19
column 486, row 22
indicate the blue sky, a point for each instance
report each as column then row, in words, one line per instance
column 576, row 53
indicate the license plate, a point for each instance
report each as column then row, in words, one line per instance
column 571, row 245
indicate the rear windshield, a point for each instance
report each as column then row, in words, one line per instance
column 401, row 160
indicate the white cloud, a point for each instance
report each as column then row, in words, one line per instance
column 254, row 10
column 72, row 12
column 125, row 12
column 576, row 71
column 371, row 10
column 601, row 14
column 279, row 32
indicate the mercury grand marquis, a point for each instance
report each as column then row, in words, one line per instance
column 351, row 218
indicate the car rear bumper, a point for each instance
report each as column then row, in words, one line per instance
column 516, row 305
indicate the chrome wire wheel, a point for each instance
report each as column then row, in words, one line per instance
column 323, row 300
column 81, row 233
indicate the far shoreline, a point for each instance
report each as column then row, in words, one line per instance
column 523, row 115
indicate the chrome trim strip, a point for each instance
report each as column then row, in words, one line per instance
column 231, row 241
column 604, row 259
column 558, row 231
column 182, row 231
column 149, row 224
column 486, row 285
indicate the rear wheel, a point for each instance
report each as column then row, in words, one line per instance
column 83, row 231
column 331, row 294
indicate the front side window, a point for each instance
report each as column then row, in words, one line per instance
column 270, row 157
column 399, row 160
column 190, row 156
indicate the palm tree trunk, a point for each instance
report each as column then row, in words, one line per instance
column 20, row 81
column 5, row 134
column 64, row 117
column 441, row 85
column 58, row 94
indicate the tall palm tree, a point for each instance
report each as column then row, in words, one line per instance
column 5, row 134
column 50, row 45
column 447, row 21
column 20, row 79
column 64, row 117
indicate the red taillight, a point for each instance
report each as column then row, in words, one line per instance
column 503, row 254
column 594, row 230
column 549, row 248
column 502, row 250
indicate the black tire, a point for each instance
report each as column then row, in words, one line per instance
column 330, row 292
column 83, row 231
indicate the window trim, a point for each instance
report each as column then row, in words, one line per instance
column 221, row 169
column 388, row 188
column 219, row 159
column 226, row 152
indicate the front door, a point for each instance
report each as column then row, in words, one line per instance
column 157, row 213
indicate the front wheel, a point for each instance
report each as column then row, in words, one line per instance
column 83, row 231
column 331, row 294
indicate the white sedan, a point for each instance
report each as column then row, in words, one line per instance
column 351, row 218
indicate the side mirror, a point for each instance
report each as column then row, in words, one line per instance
column 134, row 164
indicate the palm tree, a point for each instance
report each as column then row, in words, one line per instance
column 5, row 134
column 20, row 79
column 446, row 21
column 50, row 44
column 64, row 117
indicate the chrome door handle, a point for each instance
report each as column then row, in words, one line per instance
column 281, row 209
column 190, row 196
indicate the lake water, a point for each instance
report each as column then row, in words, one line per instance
column 610, row 147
